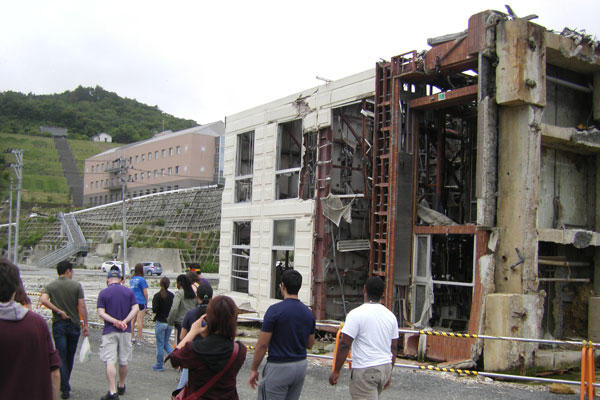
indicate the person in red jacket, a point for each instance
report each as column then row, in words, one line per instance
column 207, row 349
column 32, row 365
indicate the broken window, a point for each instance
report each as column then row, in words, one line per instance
column 443, row 281
column 244, row 165
column 447, row 144
column 308, row 174
column 240, row 256
column 289, row 158
column 283, row 253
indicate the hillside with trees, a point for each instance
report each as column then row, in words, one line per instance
column 85, row 112
column 44, row 184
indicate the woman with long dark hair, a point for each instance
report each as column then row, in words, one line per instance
column 161, row 305
column 21, row 296
column 140, row 287
column 185, row 300
column 210, row 353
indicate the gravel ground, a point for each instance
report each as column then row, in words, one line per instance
column 88, row 380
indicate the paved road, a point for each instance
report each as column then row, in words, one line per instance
column 88, row 381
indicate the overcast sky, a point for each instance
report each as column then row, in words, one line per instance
column 206, row 59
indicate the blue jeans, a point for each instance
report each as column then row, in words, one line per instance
column 183, row 378
column 162, row 331
column 66, row 335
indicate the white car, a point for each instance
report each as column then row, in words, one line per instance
column 107, row 265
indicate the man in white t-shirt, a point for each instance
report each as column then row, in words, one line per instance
column 372, row 332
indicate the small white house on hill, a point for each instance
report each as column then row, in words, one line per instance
column 102, row 137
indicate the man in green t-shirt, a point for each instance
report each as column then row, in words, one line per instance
column 64, row 297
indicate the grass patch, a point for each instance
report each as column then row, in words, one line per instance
column 44, row 184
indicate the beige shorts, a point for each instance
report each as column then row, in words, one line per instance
column 368, row 383
column 116, row 344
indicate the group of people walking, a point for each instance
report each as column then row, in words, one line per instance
column 206, row 350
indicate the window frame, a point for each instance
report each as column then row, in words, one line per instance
column 239, row 178
column 275, row 248
column 238, row 250
column 293, row 171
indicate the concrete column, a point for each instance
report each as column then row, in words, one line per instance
column 511, row 315
column 594, row 301
column 519, row 145
column 487, row 145
column 597, row 229
column 516, row 309
column 520, row 94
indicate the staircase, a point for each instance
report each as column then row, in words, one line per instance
column 75, row 242
column 70, row 169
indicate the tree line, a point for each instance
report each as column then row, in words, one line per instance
column 85, row 112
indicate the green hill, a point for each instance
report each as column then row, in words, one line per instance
column 85, row 112
column 44, row 185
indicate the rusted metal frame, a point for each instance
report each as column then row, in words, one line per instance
column 382, row 177
column 374, row 148
column 448, row 57
column 345, row 120
column 445, row 229
column 414, row 122
column 377, row 200
column 324, row 137
column 445, row 99
column 481, row 242
column 392, row 178
column 402, row 64
column 440, row 157
column 363, row 150
column 457, row 42
column 294, row 140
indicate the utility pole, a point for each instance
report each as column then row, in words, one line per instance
column 18, row 166
column 10, row 220
column 122, row 175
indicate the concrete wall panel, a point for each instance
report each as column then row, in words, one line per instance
column 565, row 195
column 521, row 70
column 324, row 118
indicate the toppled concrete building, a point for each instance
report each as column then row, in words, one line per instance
column 467, row 176
column 282, row 160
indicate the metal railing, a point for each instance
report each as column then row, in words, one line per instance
column 584, row 344
column 75, row 241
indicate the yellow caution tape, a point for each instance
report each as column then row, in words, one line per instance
column 449, row 334
column 458, row 371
